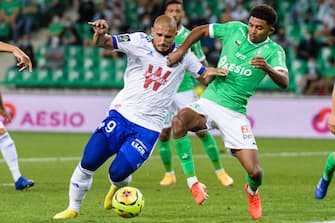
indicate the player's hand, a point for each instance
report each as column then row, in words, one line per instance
column 23, row 61
column 331, row 123
column 175, row 57
column 260, row 63
column 211, row 71
column 6, row 115
column 99, row 26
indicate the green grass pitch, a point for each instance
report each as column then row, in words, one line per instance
column 292, row 168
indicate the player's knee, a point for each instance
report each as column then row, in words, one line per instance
column 178, row 126
column 165, row 135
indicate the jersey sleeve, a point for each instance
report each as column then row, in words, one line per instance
column 222, row 31
column 126, row 43
column 197, row 50
column 278, row 59
column 193, row 65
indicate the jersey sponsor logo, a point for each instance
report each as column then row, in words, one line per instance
column 123, row 38
column 155, row 77
column 246, row 132
column 240, row 55
column 139, row 146
column 233, row 67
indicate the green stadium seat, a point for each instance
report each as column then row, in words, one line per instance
column 58, row 78
column 11, row 76
column 74, row 77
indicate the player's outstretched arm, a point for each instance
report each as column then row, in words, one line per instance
column 331, row 120
column 23, row 61
column 196, row 34
column 210, row 72
column 100, row 37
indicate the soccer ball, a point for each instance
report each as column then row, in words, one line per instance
column 128, row 202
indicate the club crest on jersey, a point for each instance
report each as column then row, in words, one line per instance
column 155, row 77
column 123, row 38
column 238, row 42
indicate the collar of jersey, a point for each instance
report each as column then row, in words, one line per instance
column 258, row 44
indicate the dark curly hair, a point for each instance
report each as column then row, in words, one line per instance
column 169, row 2
column 264, row 12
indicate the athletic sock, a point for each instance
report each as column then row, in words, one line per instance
column 212, row 151
column 81, row 182
column 166, row 155
column 253, row 185
column 9, row 154
column 329, row 167
column 184, row 152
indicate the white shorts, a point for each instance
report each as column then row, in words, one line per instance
column 181, row 100
column 234, row 127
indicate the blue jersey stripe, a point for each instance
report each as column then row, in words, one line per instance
column 202, row 70
column 115, row 46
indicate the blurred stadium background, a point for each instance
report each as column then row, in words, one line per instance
column 306, row 29
column 56, row 35
column 72, row 94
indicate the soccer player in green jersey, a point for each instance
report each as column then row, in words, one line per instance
column 328, row 171
column 249, row 54
column 185, row 96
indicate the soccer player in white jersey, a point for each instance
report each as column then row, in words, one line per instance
column 7, row 145
column 135, row 119
column 185, row 95
column 249, row 54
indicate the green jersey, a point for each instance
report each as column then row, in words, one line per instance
column 187, row 83
column 234, row 90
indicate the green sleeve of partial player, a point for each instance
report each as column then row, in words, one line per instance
column 197, row 50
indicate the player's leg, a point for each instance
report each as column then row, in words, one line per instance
column 212, row 151
column 328, row 171
column 238, row 137
column 134, row 151
column 164, row 147
column 9, row 153
column 95, row 154
column 119, row 176
column 188, row 120
column 249, row 160
column 165, row 153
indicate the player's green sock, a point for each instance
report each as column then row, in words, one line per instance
column 253, row 185
column 211, row 149
column 329, row 167
column 166, row 155
column 184, row 152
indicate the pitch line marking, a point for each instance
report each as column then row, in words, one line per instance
column 284, row 154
